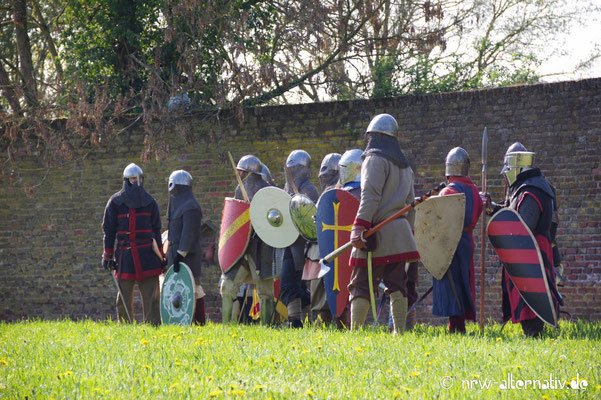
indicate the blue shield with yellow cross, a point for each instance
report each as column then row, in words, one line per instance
column 336, row 211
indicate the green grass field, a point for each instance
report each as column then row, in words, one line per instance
column 69, row 360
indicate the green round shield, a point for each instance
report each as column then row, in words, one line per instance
column 177, row 297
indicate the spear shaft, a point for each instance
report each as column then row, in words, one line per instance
column 483, row 229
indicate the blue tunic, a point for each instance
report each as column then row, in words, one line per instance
column 462, row 267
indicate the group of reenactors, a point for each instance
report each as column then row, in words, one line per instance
column 282, row 242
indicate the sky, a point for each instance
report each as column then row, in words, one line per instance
column 564, row 56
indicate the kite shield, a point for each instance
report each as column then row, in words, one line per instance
column 336, row 211
column 438, row 228
column 177, row 297
column 271, row 219
column 518, row 250
column 235, row 232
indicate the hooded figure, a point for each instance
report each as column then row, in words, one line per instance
column 257, row 263
column 386, row 187
column 184, row 217
column 293, row 290
column 132, row 221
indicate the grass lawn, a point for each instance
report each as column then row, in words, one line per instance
column 69, row 360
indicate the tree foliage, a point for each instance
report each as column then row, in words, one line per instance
column 92, row 61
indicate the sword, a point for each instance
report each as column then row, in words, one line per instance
column 368, row 233
column 120, row 293
column 483, row 229
column 418, row 302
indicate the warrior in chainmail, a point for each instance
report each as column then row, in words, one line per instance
column 256, row 265
column 328, row 178
column 293, row 290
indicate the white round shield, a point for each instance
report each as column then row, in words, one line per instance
column 270, row 217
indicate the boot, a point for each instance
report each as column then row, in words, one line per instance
column 266, row 312
column 236, row 312
column 359, row 309
column 199, row 313
column 398, row 306
column 226, row 310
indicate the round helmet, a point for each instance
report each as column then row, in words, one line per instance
column 329, row 163
column 383, row 123
column 266, row 174
column 299, row 157
column 250, row 163
column 179, row 177
column 350, row 166
column 133, row 171
column 457, row 162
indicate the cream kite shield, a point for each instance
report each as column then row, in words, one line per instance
column 438, row 228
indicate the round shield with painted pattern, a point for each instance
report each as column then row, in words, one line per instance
column 303, row 210
column 177, row 297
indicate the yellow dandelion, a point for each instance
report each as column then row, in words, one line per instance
column 319, row 347
column 209, row 378
column 147, row 367
column 598, row 386
column 358, row 349
column 388, row 371
column 498, row 339
column 214, row 393
column 259, row 387
column 310, row 393
column 144, row 342
column 546, row 397
column 68, row 373
column 406, row 389
column 237, row 392
column 396, row 395
column 164, row 335
column 427, row 354
column 95, row 390
column 177, row 363
column 233, row 386
column 429, row 363
column 234, row 335
column 293, row 346
column 173, row 386
column 416, row 373
column 518, row 367
column 3, row 361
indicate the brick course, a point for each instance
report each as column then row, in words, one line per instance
column 50, row 234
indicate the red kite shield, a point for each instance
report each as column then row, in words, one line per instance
column 235, row 232
column 336, row 211
column 518, row 250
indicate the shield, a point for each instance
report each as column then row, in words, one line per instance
column 302, row 211
column 177, row 297
column 271, row 219
column 437, row 231
column 235, row 232
column 336, row 212
column 518, row 250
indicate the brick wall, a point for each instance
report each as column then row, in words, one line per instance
column 50, row 235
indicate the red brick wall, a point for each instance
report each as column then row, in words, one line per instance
column 50, row 235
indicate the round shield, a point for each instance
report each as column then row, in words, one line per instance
column 177, row 297
column 270, row 217
column 303, row 210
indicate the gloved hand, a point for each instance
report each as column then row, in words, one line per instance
column 176, row 260
column 106, row 262
column 356, row 233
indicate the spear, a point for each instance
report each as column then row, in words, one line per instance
column 483, row 229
